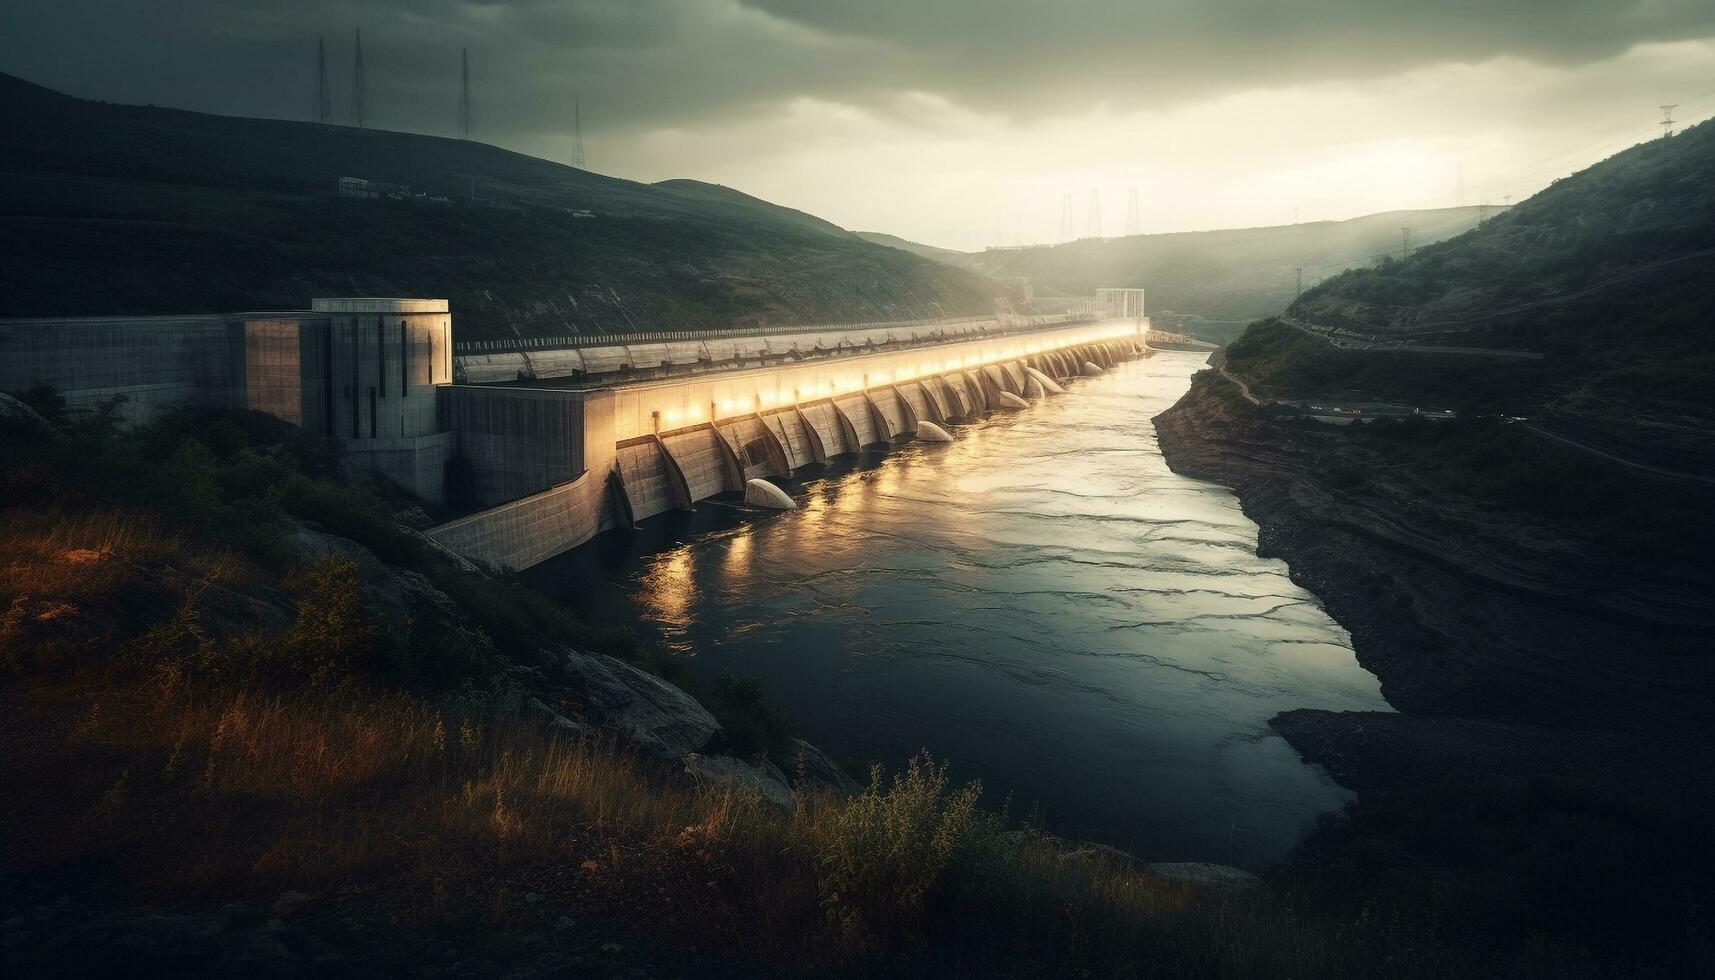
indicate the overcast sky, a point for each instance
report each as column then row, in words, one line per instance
column 961, row 123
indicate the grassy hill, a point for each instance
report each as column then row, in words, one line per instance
column 1496, row 563
column 252, row 721
column 950, row 256
column 1610, row 272
column 1214, row 281
column 111, row 208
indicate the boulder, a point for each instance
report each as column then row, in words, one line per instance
column 400, row 599
column 13, row 410
column 930, row 432
column 761, row 493
column 724, row 771
column 610, row 695
column 1089, row 853
column 1203, row 873
column 810, row 766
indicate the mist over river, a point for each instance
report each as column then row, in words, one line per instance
column 1042, row 603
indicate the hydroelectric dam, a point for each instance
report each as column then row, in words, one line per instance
column 534, row 447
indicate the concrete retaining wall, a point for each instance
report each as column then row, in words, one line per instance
column 650, row 487
column 860, row 424
column 156, row 363
column 801, row 446
column 514, row 442
column 702, row 461
column 758, row 448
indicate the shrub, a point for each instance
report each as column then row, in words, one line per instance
column 886, row 853
column 332, row 634
column 751, row 722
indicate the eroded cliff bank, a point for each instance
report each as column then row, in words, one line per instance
column 1460, row 607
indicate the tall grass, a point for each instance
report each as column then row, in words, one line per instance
column 204, row 724
column 209, row 792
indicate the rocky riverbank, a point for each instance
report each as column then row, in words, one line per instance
column 1548, row 766
column 1459, row 608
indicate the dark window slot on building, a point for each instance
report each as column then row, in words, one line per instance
column 404, row 360
column 374, row 427
column 329, row 422
column 356, row 384
column 381, row 356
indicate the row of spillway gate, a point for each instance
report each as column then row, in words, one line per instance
column 673, row 470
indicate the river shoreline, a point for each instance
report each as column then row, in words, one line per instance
column 1043, row 604
column 1462, row 619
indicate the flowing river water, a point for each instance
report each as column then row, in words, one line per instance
column 1043, row 604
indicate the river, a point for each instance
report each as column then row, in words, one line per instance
column 1043, row 604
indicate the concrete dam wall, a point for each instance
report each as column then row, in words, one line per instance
column 607, row 435
column 664, row 445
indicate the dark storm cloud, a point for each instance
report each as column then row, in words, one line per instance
column 656, row 63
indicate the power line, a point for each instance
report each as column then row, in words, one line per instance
column 323, row 111
column 1093, row 221
column 357, row 106
column 464, row 93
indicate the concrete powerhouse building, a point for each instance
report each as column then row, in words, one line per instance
column 562, row 443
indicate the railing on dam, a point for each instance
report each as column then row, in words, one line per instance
column 523, row 344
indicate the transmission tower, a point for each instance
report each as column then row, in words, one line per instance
column 1404, row 244
column 1300, row 270
column 1093, row 221
column 324, row 98
column 464, row 94
column 1068, row 228
column 1667, row 119
column 1133, row 215
column 577, row 135
column 357, row 107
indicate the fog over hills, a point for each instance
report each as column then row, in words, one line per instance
column 110, row 208
column 1214, row 282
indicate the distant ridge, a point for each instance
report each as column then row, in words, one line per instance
column 127, row 209
column 1216, row 281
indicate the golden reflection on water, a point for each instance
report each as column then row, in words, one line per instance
column 887, row 480
column 670, row 594
column 737, row 562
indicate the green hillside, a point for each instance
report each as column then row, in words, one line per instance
column 110, row 208
column 726, row 199
column 916, row 248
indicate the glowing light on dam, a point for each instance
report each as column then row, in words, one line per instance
column 653, row 446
